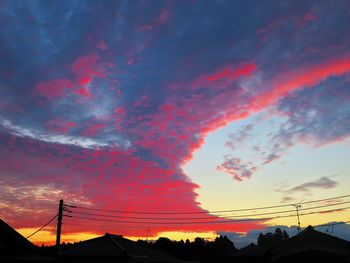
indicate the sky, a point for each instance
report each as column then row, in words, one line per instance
column 173, row 107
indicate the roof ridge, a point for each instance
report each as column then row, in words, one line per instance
column 307, row 231
column 14, row 233
column 115, row 242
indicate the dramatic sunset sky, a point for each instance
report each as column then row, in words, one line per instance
column 173, row 107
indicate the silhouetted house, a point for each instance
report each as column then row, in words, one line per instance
column 12, row 242
column 112, row 248
column 251, row 253
column 251, row 250
column 312, row 246
column 16, row 248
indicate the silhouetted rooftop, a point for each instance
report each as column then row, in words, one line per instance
column 312, row 240
column 251, row 250
column 115, row 246
column 13, row 242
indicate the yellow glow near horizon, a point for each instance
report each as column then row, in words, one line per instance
column 48, row 236
column 178, row 235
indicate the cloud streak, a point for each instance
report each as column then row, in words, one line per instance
column 321, row 183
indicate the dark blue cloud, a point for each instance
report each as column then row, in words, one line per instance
column 320, row 115
column 317, row 116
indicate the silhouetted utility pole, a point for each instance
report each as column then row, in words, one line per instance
column 297, row 206
column 59, row 224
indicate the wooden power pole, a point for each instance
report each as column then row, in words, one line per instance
column 59, row 224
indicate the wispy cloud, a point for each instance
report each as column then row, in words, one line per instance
column 237, row 168
column 316, row 117
column 321, row 183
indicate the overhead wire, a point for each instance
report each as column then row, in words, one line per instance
column 209, row 222
column 206, row 218
column 42, row 227
column 205, row 211
column 105, row 226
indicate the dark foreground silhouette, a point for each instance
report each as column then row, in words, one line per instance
column 310, row 245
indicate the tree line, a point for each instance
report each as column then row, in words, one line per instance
column 198, row 249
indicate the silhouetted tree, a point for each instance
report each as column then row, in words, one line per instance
column 219, row 248
column 272, row 239
column 261, row 240
column 199, row 249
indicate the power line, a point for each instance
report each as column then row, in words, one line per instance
column 42, row 227
column 144, row 227
column 205, row 218
column 208, row 222
column 163, row 223
column 206, row 212
column 106, row 226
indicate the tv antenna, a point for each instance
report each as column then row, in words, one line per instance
column 297, row 206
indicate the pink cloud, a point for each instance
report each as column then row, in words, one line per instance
column 173, row 118
column 310, row 16
column 162, row 19
column 301, row 78
column 84, row 80
column 120, row 110
column 86, row 66
column 53, row 88
column 101, row 45
column 108, row 178
column 244, row 70
column 93, row 129
column 85, row 92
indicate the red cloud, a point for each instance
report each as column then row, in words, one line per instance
column 161, row 19
column 108, row 178
column 182, row 122
column 301, row 78
column 244, row 70
column 85, row 66
column 84, row 80
column 53, row 88
column 93, row 129
column 83, row 92
column 119, row 110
